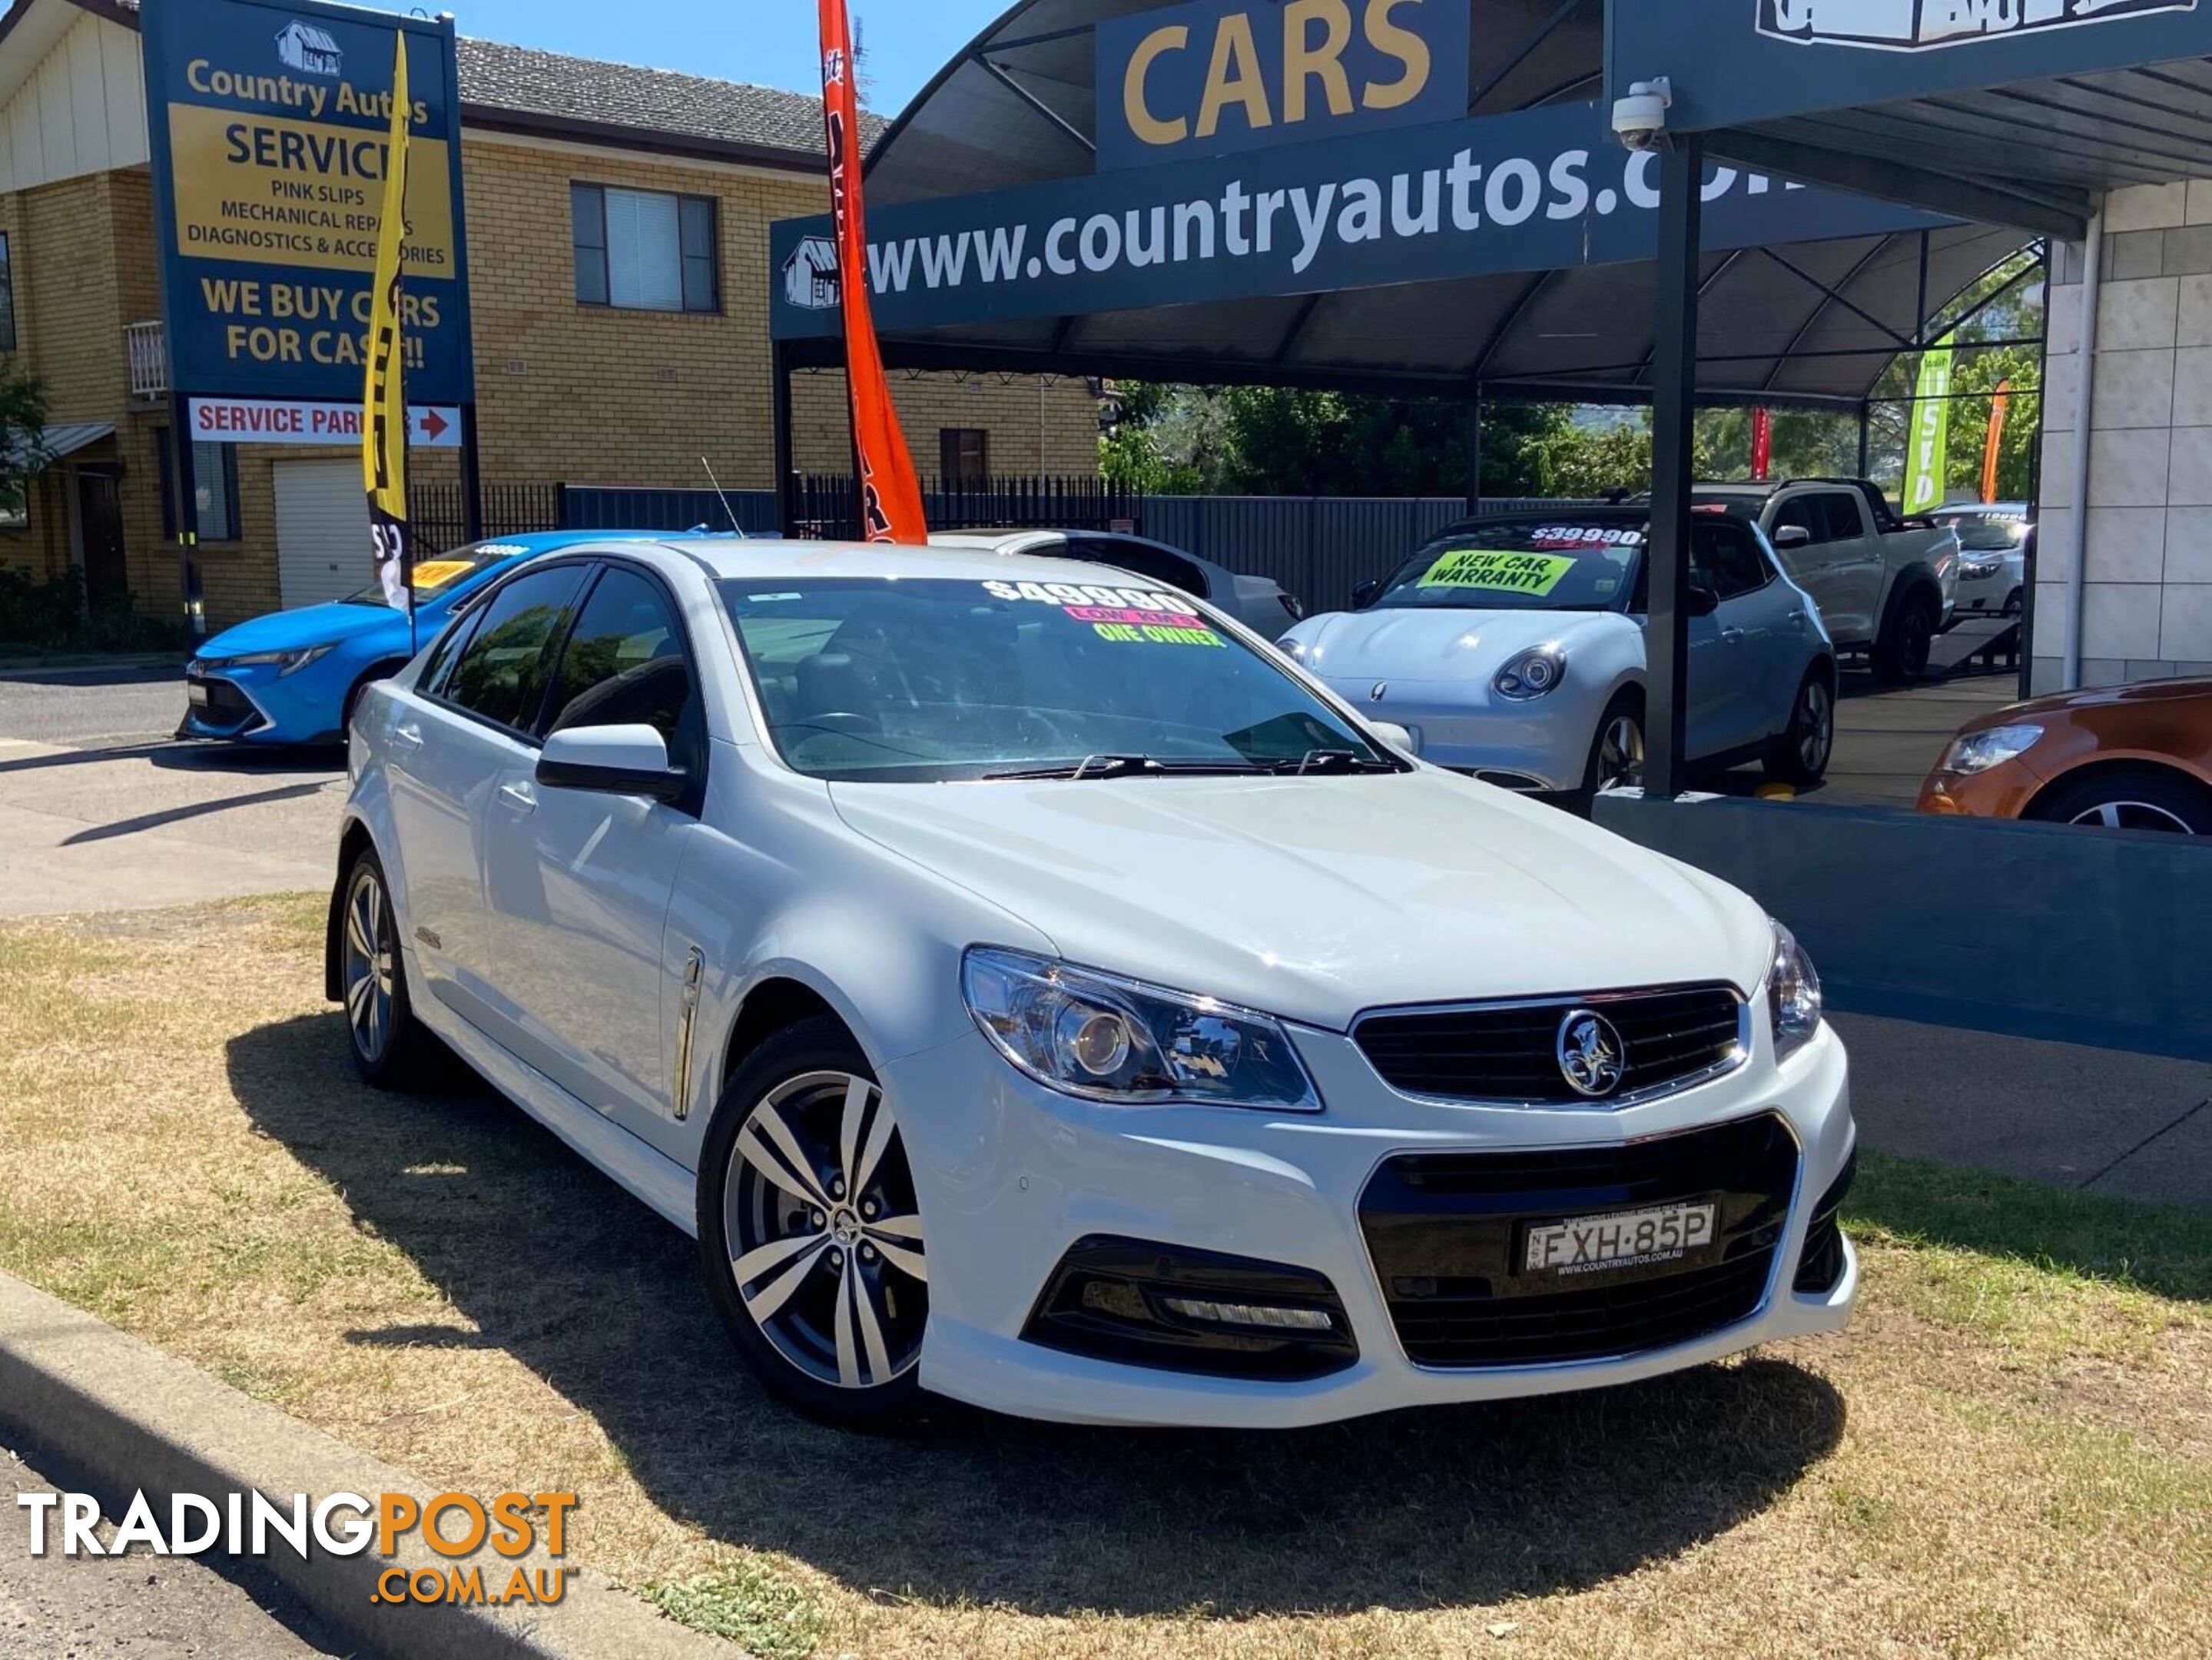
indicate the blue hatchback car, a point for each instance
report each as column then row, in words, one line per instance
column 292, row 677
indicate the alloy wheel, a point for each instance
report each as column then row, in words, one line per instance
column 369, row 970
column 1621, row 752
column 1816, row 726
column 2134, row 815
column 823, row 1231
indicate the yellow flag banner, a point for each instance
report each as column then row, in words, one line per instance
column 384, row 396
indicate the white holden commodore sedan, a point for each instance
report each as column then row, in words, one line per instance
column 1029, row 988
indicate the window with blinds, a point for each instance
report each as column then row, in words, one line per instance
column 644, row 250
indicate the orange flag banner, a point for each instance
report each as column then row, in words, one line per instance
column 1998, row 404
column 891, row 494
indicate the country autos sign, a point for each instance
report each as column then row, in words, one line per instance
column 1217, row 75
column 1539, row 190
column 1925, row 25
column 268, row 128
column 1734, row 62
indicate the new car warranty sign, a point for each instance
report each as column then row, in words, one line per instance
column 1926, row 25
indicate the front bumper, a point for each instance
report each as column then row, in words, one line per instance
column 1542, row 746
column 256, row 705
column 1012, row 1176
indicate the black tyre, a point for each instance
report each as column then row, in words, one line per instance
column 1800, row 753
column 1900, row 655
column 2129, row 798
column 2013, row 603
column 1616, row 754
column 809, row 1236
column 388, row 1044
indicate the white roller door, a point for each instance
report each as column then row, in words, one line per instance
column 322, row 532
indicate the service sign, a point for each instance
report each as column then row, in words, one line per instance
column 268, row 128
column 1538, row 190
column 303, row 421
column 1217, row 75
column 1732, row 62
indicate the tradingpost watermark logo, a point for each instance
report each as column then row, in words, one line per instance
column 454, row 1526
column 1930, row 25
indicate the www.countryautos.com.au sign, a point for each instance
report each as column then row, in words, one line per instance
column 268, row 125
column 1539, row 190
column 1733, row 61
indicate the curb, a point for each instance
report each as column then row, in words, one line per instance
column 127, row 1418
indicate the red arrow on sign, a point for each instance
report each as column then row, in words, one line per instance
column 433, row 425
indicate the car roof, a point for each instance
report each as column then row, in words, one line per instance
column 958, row 559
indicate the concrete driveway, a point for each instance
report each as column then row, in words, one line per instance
column 99, row 810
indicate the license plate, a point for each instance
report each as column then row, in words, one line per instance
column 1583, row 1244
column 197, row 695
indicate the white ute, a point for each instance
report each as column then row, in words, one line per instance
column 1885, row 585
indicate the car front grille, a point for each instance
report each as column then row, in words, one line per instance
column 1447, row 1233
column 226, row 708
column 1509, row 1051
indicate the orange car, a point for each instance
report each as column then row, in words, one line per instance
column 2128, row 758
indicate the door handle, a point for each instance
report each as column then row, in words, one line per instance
column 1797, row 614
column 518, row 795
column 410, row 735
column 1731, row 634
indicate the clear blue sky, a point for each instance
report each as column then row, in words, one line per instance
column 773, row 43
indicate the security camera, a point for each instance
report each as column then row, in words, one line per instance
column 1639, row 120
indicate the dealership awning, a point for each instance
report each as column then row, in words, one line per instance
column 2022, row 112
column 1812, row 320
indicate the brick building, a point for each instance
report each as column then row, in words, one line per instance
column 617, row 225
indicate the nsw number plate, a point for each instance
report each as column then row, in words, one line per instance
column 1583, row 1243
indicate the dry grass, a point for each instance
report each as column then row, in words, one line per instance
column 2010, row 1452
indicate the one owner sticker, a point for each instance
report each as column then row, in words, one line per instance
column 1535, row 573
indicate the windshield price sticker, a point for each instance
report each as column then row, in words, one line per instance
column 1534, row 573
column 1586, row 536
column 434, row 573
column 1124, row 616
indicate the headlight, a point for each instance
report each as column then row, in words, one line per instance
column 1294, row 649
column 1105, row 1039
column 1793, row 995
column 1978, row 751
column 1979, row 570
column 284, row 662
column 1532, row 673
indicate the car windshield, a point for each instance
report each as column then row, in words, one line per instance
column 441, row 575
column 1990, row 535
column 926, row 681
column 1522, row 565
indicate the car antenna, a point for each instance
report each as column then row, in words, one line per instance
column 735, row 528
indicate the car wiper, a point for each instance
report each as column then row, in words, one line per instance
column 1328, row 761
column 1102, row 767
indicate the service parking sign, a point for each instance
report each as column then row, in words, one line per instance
column 268, row 125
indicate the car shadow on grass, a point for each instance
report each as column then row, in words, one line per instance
column 595, row 1294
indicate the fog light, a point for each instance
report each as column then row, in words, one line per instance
column 1248, row 1314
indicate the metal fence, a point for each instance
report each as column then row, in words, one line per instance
column 1319, row 548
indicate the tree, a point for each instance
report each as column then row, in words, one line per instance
column 22, row 433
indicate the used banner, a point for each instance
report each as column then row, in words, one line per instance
column 891, row 494
column 1929, row 447
column 383, row 395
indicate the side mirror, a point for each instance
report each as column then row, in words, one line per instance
column 1792, row 535
column 1365, row 595
column 612, row 761
column 1699, row 600
column 1397, row 737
